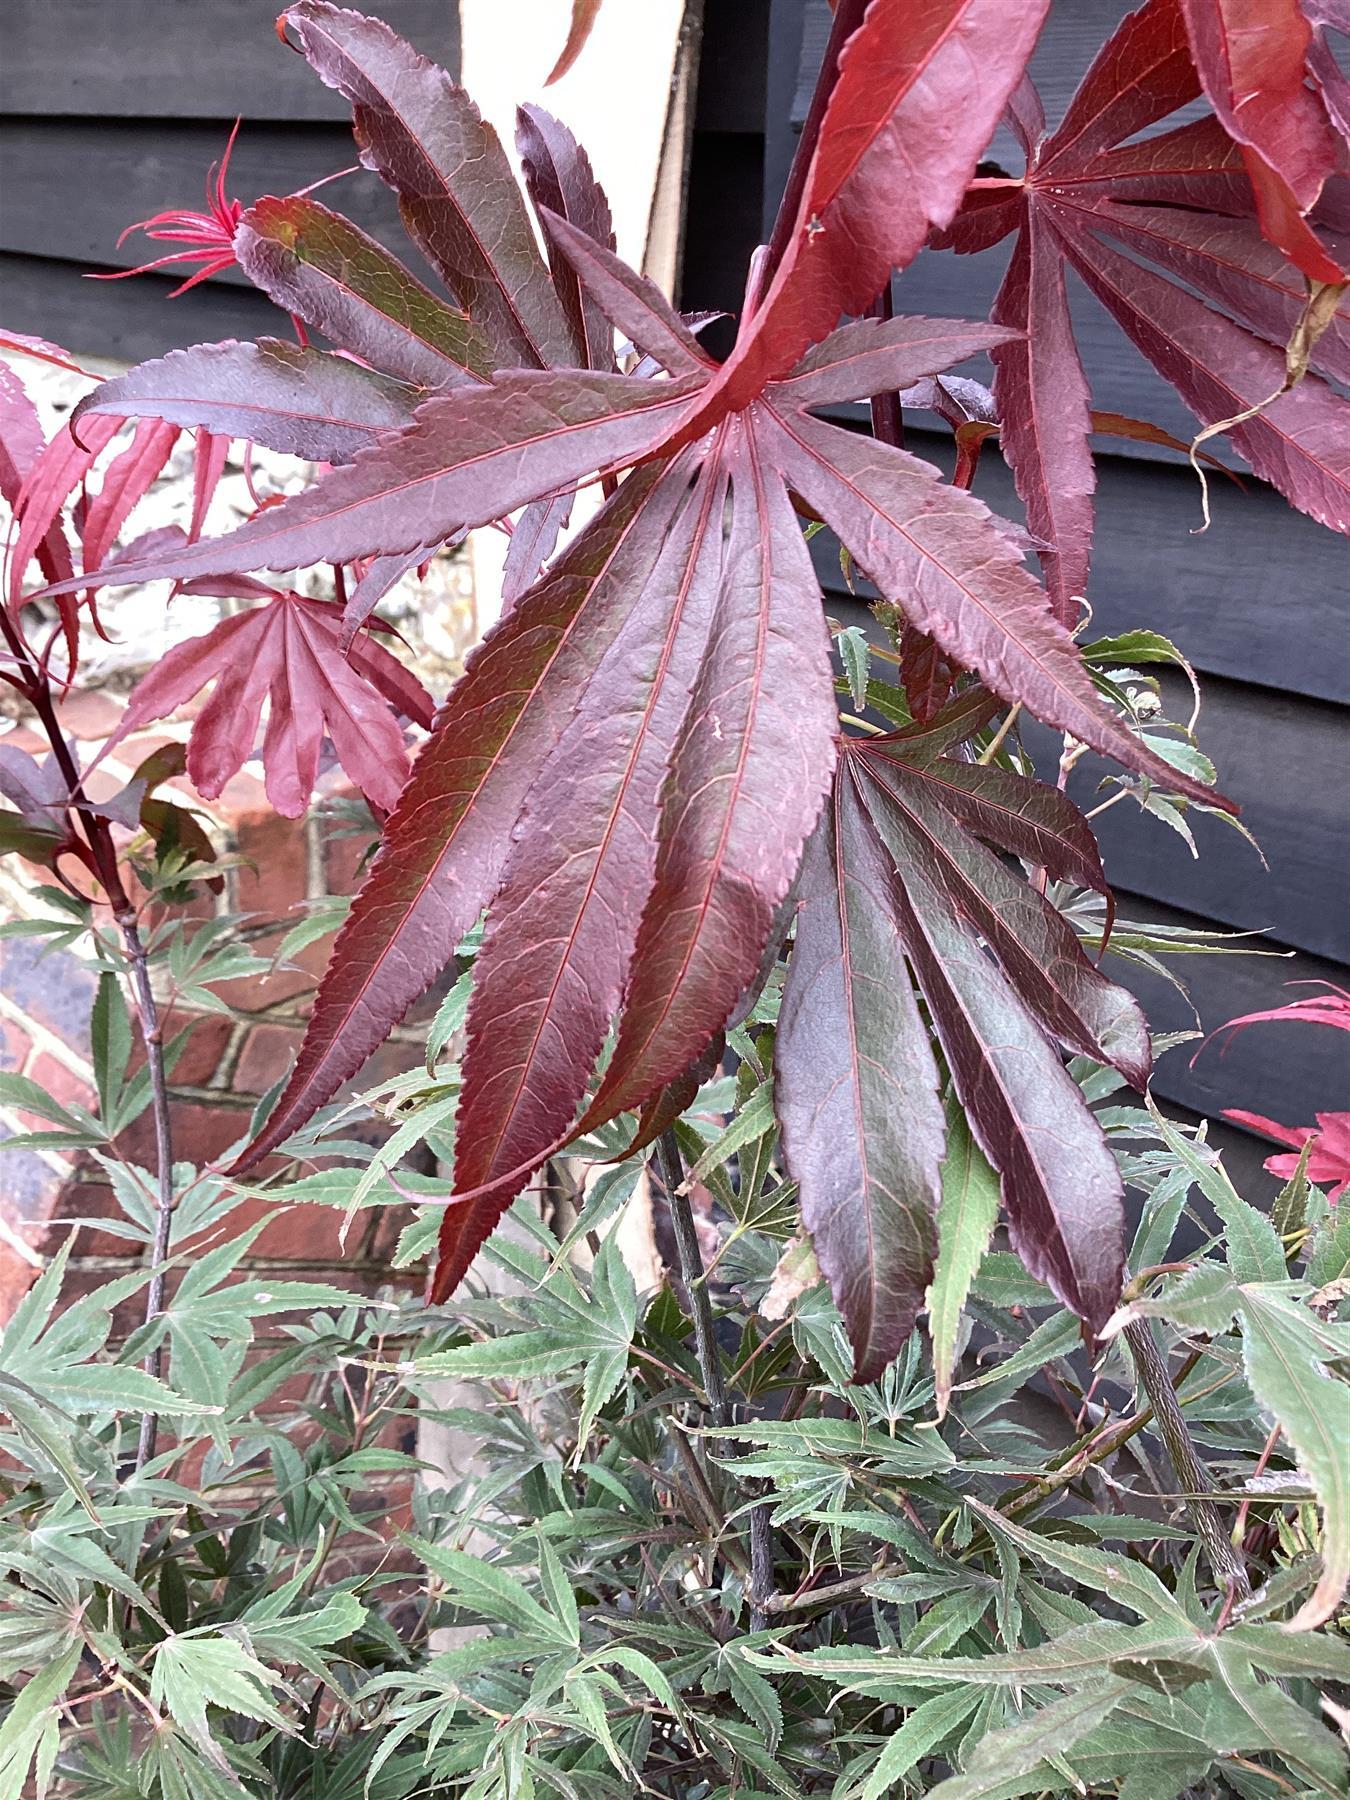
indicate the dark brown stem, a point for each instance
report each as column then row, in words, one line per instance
column 103, row 860
column 848, row 15
column 152, row 1035
column 695, row 1281
column 888, row 419
column 1230, row 1574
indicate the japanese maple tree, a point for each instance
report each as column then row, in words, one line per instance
column 642, row 778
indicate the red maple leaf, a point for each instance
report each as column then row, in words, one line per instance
column 287, row 653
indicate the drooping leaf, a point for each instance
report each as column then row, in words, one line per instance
column 317, row 264
column 747, row 772
column 1060, row 1183
column 1037, row 948
column 1252, row 60
column 302, row 402
column 286, row 653
column 857, row 1088
column 562, row 927
column 746, row 784
column 420, row 131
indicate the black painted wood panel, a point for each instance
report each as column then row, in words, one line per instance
column 112, row 110
column 182, row 59
column 111, row 172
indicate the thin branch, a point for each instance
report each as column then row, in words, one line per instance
column 1226, row 1564
column 695, row 1280
column 102, row 859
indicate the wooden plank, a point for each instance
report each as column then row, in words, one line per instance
column 128, row 320
column 1278, row 757
column 1258, row 598
column 182, row 59
column 1284, row 1072
column 786, row 22
column 732, row 68
column 71, row 187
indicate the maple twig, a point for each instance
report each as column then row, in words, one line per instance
column 695, row 1279
column 36, row 685
column 1229, row 1571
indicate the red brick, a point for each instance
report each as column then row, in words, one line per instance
column 279, row 877
column 204, row 1050
column 202, row 1132
column 269, row 1051
column 89, row 714
column 64, row 1086
column 15, row 1045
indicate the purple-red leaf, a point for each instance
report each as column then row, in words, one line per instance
column 445, row 844
column 316, row 264
column 637, row 306
column 302, row 402
column 1299, row 442
column 856, row 1088
column 918, row 96
column 1183, row 199
column 584, row 15
column 745, row 786
column 126, row 481
column 559, row 178
column 533, row 540
column 940, row 555
column 562, row 928
column 1060, row 1183
column 468, row 457
column 877, row 356
column 285, row 652
column 1043, row 403
column 1228, row 260
column 423, row 135
column 1252, row 58
column 51, row 479
column 1038, row 950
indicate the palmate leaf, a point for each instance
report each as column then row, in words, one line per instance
column 318, row 265
column 286, row 651
column 895, row 884
column 1183, row 200
column 627, row 773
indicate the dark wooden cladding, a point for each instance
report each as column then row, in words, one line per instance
column 112, row 110
column 136, row 320
column 111, row 173
column 1258, row 604
column 181, row 59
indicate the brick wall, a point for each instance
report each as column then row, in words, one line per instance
column 230, row 1059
